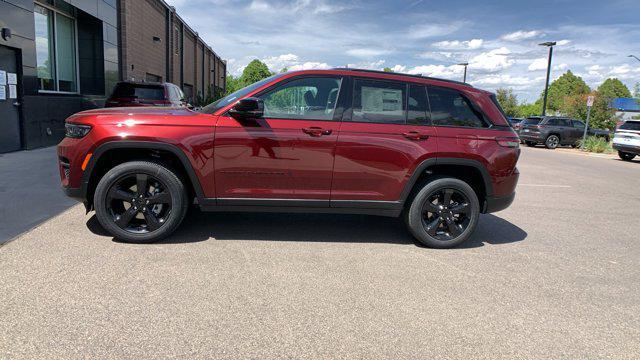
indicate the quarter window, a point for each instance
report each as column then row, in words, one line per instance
column 309, row 98
column 451, row 108
column 379, row 102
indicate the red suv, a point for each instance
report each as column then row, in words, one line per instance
column 437, row 152
column 128, row 93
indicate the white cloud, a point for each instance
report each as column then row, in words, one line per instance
column 258, row 5
column 520, row 35
column 441, row 71
column 459, row 45
column 494, row 60
column 502, row 80
column 367, row 52
column 563, row 42
column 310, row 65
column 538, row 64
column 433, row 30
column 561, row 67
column 399, row 68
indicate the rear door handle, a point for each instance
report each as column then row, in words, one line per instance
column 414, row 135
column 316, row 131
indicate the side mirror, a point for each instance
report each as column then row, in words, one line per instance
column 248, row 108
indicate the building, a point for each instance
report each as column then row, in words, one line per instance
column 60, row 57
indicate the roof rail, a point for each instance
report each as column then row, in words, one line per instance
column 402, row 74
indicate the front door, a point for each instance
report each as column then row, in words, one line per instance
column 9, row 100
column 287, row 154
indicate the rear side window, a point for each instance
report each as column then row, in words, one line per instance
column 417, row 105
column 532, row 121
column 558, row 122
column 147, row 92
column 578, row 124
column 630, row 125
column 379, row 102
column 451, row 108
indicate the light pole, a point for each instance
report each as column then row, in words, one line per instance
column 633, row 56
column 465, row 64
column 550, row 45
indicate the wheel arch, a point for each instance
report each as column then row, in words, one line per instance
column 470, row 171
column 113, row 153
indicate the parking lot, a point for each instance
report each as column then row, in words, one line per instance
column 556, row 275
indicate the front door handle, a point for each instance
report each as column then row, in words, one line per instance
column 316, row 131
column 414, row 135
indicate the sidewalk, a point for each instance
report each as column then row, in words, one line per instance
column 29, row 191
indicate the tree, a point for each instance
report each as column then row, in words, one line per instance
column 636, row 91
column 602, row 115
column 255, row 71
column 387, row 69
column 529, row 109
column 567, row 85
column 233, row 84
column 508, row 101
column 613, row 88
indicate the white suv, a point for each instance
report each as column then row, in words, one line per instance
column 627, row 140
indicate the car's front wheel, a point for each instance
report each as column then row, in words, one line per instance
column 140, row 202
column 626, row 156
column 552, row 142
column 444, row 213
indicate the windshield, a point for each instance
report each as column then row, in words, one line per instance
column 147, row 92
column 630, row 125
column 219, row 104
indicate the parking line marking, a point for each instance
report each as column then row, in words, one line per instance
column 544, row 185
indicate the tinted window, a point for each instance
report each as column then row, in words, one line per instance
column 147, row 92
column 450, row 108
column 558, row 122
column 578, row 124
column 305, row 98
column 379, row 102
column 417, row 105
column 532, row 121
column 631, row 125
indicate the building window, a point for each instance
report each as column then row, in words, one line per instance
column 56, row 53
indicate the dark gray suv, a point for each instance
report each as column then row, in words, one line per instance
column 553, row 131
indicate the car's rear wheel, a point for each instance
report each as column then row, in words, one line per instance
column 444, row 213
column 626, row 156
column 140, row 202
column 552, row 142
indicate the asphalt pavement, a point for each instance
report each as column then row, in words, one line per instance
column 556, row 275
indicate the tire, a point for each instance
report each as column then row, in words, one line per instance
column 552, row 142
column 418, row 217
column 626, row 156
column 530, row 143
column 163, row 208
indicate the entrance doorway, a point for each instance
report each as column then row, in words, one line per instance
column 9, row 100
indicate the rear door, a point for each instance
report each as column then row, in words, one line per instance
column 288, row 154
column 383, row 136
column 578, row 130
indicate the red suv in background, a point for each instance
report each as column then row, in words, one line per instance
column 437, row 152
column 128, row 93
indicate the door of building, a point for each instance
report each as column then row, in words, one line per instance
column 9, row 100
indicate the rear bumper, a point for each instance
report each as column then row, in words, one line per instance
column 627, row 149
column 498, row 203
column 530, row 136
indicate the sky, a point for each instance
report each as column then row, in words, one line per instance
column 499, row 39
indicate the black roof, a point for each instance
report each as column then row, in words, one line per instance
column 403, row 74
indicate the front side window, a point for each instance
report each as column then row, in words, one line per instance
column 309, row 98
column 379, row 102
column 451, row 108
column 55, row 50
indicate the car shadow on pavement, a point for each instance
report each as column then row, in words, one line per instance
column 200, row 226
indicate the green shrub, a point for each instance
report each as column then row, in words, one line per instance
column 596, row 145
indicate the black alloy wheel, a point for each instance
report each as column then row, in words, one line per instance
column 626, row 156
column 446, row 214
column 139, row 203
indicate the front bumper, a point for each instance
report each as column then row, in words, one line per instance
column 627, row 148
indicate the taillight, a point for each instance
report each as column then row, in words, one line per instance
column 510, row 142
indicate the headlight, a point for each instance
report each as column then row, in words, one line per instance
column 76, row 130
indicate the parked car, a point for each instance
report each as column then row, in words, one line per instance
column 437, row 152
column 626, row 140
column 128, row 93
column 553, row 131
column 516, row 123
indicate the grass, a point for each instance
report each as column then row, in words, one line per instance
column 597, row 145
